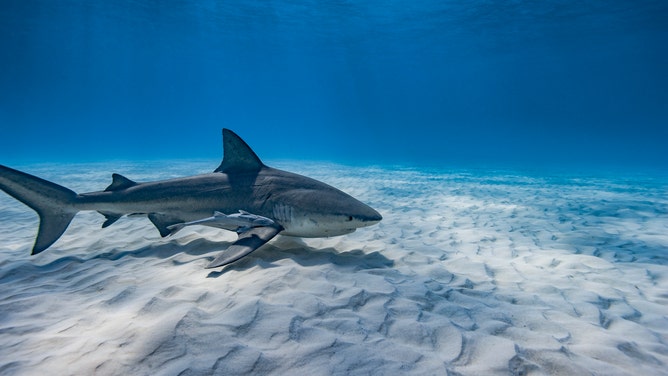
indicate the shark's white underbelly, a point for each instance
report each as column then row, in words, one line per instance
column 308, row 225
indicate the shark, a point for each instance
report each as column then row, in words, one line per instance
column 274, row 202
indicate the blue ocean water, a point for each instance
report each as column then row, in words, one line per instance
column 516, row 150
column 436, row 83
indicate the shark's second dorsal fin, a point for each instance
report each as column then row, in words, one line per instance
column 237, row 155
column 119, row 182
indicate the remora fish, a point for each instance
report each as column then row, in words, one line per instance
column 238, row 222
column 298, row 205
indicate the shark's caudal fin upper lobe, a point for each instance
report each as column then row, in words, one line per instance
column 52, row 202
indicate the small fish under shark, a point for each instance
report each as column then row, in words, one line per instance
column 265, row 202
column 238, row 222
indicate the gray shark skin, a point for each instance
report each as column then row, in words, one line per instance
column 297, row 205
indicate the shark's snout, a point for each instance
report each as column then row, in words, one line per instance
column 368, row 216
column 374, row 218
column 377, row 218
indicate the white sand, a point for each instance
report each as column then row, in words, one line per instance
column 470, row 272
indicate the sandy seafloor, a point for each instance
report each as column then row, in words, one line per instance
column 471, row 272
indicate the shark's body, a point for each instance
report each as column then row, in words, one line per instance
column 297, row 205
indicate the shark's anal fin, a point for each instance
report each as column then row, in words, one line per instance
column 163, row 222
column 248, row 242
column 111, row 218
column 119, row 182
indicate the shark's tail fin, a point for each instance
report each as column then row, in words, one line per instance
column 53, row 203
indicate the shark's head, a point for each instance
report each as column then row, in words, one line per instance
column 322, row 212
column 302, row 206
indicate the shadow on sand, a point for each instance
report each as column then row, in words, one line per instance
column 196, row 247
column 201, row 248
column 304, row 255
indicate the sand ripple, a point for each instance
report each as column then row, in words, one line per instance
column 470, row 272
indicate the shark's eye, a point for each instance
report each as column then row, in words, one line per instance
column 350, row 218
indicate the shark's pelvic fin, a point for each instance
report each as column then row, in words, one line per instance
column 163, row 222
column 118, row 183
column 248, row 242
column 237, row 155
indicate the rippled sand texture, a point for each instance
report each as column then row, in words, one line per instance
column 470, row 272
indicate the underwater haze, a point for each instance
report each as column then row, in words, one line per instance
column 510, row 83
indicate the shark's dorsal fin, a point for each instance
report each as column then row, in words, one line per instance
column 119, row 182
column 237, row 155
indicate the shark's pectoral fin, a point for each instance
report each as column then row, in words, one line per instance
column 163, row 222
column 248, row 242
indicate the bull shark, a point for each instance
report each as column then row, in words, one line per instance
column 291, row 204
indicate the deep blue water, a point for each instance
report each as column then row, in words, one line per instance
column 439, row 83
